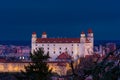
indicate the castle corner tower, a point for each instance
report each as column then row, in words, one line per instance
column 33, row 40
column 90, row 36
column 44, row 35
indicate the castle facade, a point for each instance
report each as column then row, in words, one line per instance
column 75, row 47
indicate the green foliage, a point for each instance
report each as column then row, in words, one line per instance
column 38, row 68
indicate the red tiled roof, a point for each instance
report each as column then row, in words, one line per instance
column 59, row 40
column 64, row 55
column 89, row 30
column 44, row 33
column 82, row 32
column 34, row 33
column 57, row 61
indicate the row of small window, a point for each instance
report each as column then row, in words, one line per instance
column 54, row 45
column 59, row 48
column 59, row 52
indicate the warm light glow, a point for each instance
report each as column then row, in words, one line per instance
column 12, row 67
column 1, row 67
column 17, row 67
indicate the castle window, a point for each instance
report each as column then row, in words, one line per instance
column 60, row 48
column 72, row 44
column 54, row 52
column 66, row 48
column 48, row 44
column 54, row 45
column 72, row 52
column 42, row 44
column 48, row 48
column 60, row 52
column 77, row 44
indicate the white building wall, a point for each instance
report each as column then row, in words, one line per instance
column 88, row 49
column 33, row 47
column 74, row 49
column 82, row 50
column 55, row 49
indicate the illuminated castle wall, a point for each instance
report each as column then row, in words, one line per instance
column 18, row 66
column 55, row 46
column 12, row 67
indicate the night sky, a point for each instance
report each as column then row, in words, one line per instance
column 59, row 18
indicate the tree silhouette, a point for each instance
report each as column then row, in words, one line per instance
column 104, row 70
column 38, row 68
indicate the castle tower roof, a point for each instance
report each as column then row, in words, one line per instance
column 34, row 33
column 44, row 33
column 82, row 32
column 90, row 31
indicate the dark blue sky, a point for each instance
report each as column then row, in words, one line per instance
column 59, row 18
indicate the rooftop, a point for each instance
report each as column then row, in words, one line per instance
column 60, row 40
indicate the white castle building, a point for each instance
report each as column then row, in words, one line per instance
column 75, row 47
